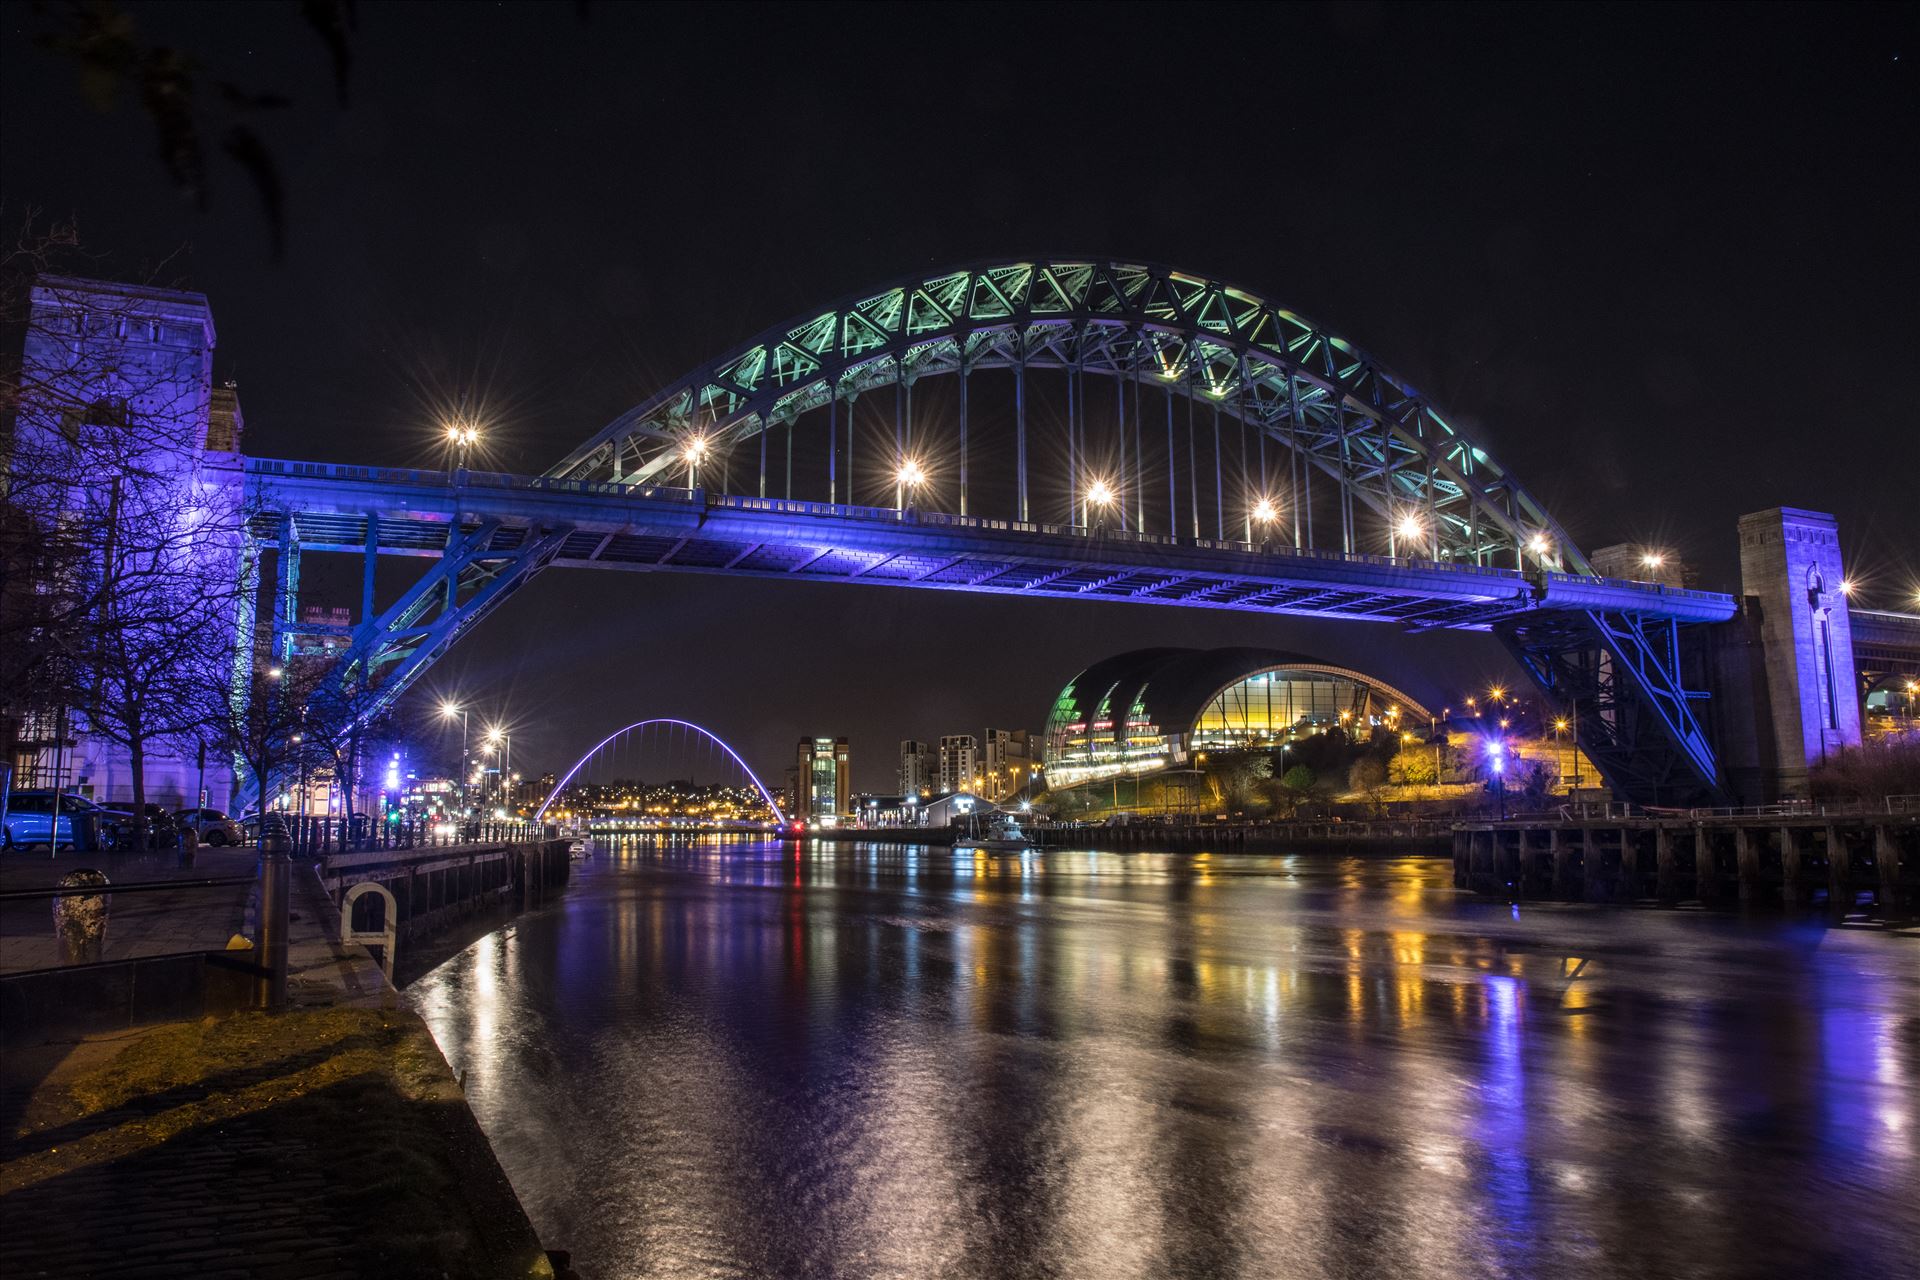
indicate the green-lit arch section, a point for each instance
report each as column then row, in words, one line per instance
column 1151, row 709
column 1336, row 413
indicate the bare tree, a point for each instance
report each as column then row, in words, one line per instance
column 120, row 533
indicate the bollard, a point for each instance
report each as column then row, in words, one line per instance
column 80, row 919
column 270, row 987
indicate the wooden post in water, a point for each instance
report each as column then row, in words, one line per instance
column 1461, row 843
column 1706, row 881
column 1886, row 861
column 1593, row 865
column 1666, row 864
column 1839, row 873
column 1562, row 862
column 1792, row 845
column 1746, row 858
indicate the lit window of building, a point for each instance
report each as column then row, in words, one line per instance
column 1153, row 709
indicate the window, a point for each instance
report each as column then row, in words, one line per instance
column 108, row 411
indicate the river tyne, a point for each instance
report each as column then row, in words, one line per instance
column 728, row 1060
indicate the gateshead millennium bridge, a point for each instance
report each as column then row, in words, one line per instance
column 1085, row 429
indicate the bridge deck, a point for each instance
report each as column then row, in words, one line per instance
column 651, row 527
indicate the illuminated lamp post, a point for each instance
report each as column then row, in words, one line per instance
column 691, row 453
column 1409, row 529
column 906, row 478
column 449, row 710
column 461, row 437
column 1497, row 759
column 1265, row 513
column 1099, row 494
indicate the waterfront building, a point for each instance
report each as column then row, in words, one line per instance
column 950, row 810
column 959, row 762
column 119, row 438
column 880, row 813
column 1152, row 709
column 822, row 779
column 1009, row 763
column 919, row 768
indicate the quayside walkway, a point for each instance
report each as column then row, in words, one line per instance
column 327, row 1139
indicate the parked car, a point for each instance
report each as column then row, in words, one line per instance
column 30, row 821
column 212, row 826
column 162, row 828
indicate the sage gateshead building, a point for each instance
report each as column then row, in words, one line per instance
column 1154, row 709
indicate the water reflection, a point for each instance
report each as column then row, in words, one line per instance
column 874, row 1061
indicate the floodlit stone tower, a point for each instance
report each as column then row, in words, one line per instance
column 1791, row 575
column 125, row 373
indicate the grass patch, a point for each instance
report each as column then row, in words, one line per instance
column 354, row 1104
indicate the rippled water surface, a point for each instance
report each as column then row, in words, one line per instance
column 874, row 1061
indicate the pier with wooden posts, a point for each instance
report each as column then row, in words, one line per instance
column 1794, row 859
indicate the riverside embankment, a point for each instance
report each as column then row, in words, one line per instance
column 327, row 1138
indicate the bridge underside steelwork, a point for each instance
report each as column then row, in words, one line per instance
column 1238, row 457
column 488, row 534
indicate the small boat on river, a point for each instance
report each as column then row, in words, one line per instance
column 1002, row 834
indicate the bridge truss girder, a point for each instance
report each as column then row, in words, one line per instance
column 1620, row 676
column 1325, row 405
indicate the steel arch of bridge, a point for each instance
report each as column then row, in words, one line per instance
column 705, row 732
column 1384, row 461
column 1330, row 408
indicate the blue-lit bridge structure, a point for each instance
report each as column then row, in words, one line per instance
column 1085, row 430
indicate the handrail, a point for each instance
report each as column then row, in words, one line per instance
column 134, row 886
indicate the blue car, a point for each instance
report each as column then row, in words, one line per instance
column 30, row 817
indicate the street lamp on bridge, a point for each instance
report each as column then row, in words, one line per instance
column 461, row 437
column 1099, row 494
column 1409, row 529
column 907, row 478
column 692, row 452
column 1264, row 514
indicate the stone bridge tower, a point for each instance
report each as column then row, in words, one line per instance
column 1790, row 574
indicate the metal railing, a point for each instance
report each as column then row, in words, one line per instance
column 316, row 836
column 54, row 927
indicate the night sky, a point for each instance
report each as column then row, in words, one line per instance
column 1660, row 261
